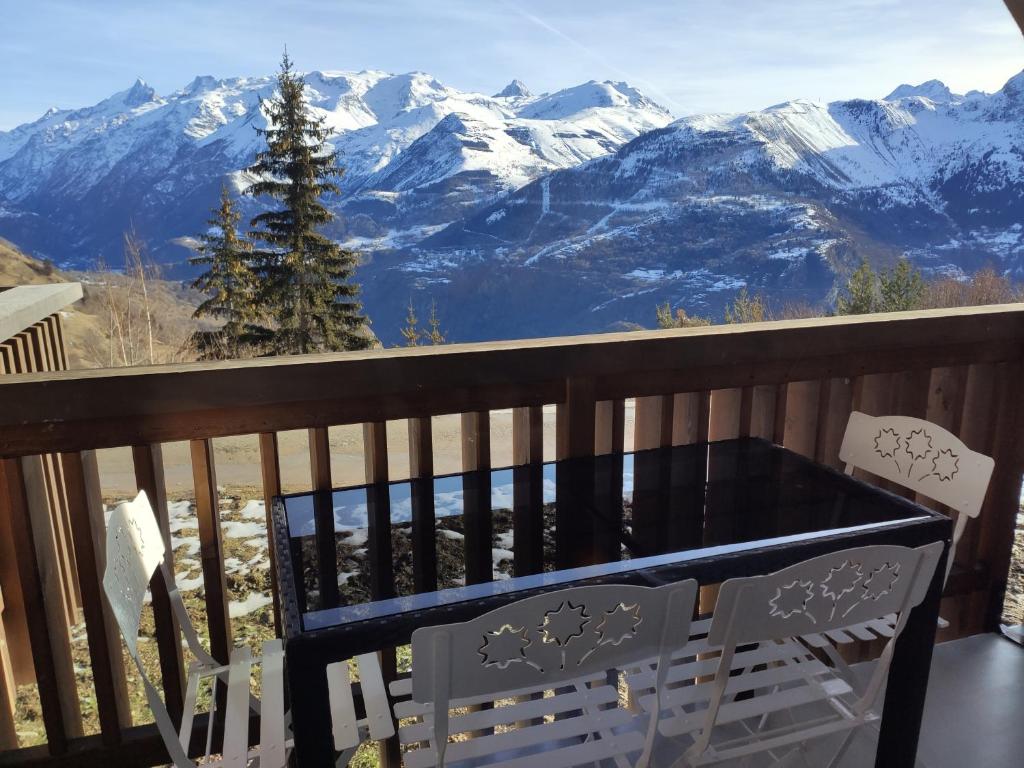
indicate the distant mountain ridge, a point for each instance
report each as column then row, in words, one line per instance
column 559, row 213
column 416, row 153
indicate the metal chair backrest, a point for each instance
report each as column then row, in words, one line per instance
column 918, row 455
column 542, row 641
column 135, row 553
column 827, row 592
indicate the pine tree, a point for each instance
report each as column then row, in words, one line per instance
column 747, row 309
column 228, row 281
column 435, row 334
column 306, row 281
column 900, row 288
column 410, row 332
column 861, row 293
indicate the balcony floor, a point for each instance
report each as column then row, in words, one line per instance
column 974, row 715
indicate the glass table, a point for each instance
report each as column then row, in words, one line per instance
column 360, row 568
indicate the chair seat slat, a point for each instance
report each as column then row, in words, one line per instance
column 236, row 724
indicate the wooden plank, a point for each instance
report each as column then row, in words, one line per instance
column 801, row 428
column 57, row 334
column 211, row 549
column 760, row 422
column 8, row 690
column 51, row 649
column 725, row 414
column 999, row 520
column 581, row 411
column 270, row 473
column 654, row 421
column 106, row 408
column 528, row 490
column 382, row 576
column 834, row 405
column 421, row 473
column 15, row 626
column 609, row 427
column 148, row 464
column 687, row 409
column 81, row 474
column 779, row 422
column 476, row 459
column 320, row 458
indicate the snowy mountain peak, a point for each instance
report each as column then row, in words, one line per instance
column 515, row 90
column 934, row 90
column 140, row 93
column 590, row 95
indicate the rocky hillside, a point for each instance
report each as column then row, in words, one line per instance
column 91, row 342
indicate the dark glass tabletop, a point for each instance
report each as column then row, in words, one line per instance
column 379, row 550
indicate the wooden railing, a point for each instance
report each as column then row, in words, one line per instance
column 794, row 382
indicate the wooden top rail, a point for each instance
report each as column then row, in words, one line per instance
column 130, row 406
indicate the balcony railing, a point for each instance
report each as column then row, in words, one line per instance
column 794, row 382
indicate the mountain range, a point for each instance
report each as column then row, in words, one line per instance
column 523, row 214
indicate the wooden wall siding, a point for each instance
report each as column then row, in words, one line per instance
column 8, row 691
column 795, row 382
column 37, row 349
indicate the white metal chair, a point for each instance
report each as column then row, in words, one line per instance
column 762, row 671
column 923, row 457
column 569, row 645
column 135, row 551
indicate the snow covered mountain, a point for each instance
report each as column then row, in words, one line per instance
column 416, row 153
column 566, row 212
column 782, row 200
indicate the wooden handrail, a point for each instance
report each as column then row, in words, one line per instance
column 132, row 406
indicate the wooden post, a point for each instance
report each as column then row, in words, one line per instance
column 211, row 549
column 270, row 472
column 320, row 458
column 421, row 474
column 382, row 577
column 149, row 477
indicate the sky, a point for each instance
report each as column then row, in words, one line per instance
column 692, row 56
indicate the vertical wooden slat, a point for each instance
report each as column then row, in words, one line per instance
column 421, row 473
column 270, row 473
column 51, row 649
column 320, row 458
column 211, row 548
column 686, row 414
column 382, row 577
column 654, row 422
column 759, row 420
column 528, row 490
column 977, row 430
column 834, row 404
column 87, row 517
column 8, row 690
column 581, row 410
column 996, row 534
column 149, row 477
column 801, row 424
column 476, row 458
column 725, row 414
column 609, row 426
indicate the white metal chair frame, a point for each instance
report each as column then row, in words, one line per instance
column 754, row 629
column 565, row 641
column 135, row 552
column 923, row 457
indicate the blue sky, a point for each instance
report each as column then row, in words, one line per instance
column 691, row 55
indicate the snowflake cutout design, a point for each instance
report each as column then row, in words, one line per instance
column 619, row 624
column 919, row 444
column 945, row 465
column 887, row 443
column 842, row 580
column 881, row 582
column 564, row 623
column 504, row 647
column 792, row 599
